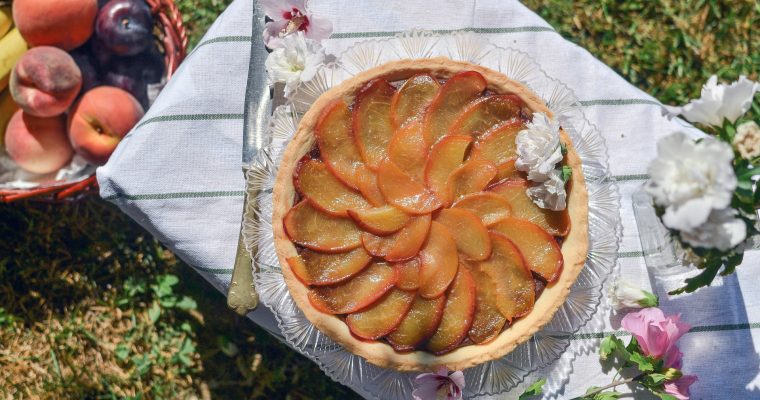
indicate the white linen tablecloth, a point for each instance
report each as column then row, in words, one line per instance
column 178, row 172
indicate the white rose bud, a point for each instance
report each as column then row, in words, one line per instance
column 747, row 140
column 625, row 295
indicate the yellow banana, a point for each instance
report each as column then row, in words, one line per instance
column 6, row 20
column 12, row 47
column 7, row 108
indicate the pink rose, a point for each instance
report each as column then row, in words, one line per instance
column 680, row 387
column 439, row 385
column 657, row 334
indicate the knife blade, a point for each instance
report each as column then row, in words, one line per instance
column 241, row 295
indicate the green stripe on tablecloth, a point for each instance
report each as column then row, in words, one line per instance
column 516, row 29
column 634, row 177
column 215, row 271
column 176, row 195
column 223, row 39
column 188, row 117
column 631, row 254
column 617, row 102
column 694, row 329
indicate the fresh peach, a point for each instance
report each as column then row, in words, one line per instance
column 62, row 23
column 45, row 81
column 38, row 145
column 98, row 122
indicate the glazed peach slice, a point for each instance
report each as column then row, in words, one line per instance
column 408, row 274
column 498, row 145
column 318, row 269
column 408, row 150
column 400, row 190
column 319, row 231
column 372, row 121
column 382, row 317
column 489, row 207
column 355, row 293
column 508, row 171
column 486, row 113
column 488, row 321
column 445, row 156
column 399, row 246
column 457, row 316
column 366, row 182
column 557, row 223
column 512, row 279
column 469, row 233
column 540, row 249
column 412, row 98
column 472, row 176
column 438, row 261
column 449, row 103
column 419, row 323
column 336, row 143
column 326, row 192
column 380, row 220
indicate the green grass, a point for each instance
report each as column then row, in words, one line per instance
column 92, row 307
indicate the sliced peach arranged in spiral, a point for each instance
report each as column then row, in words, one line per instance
column 408, row 150
column 444, row 157
column 402, row 245
column 557, row 223
column 381, row 317
column 412, row 98
column 366, row 182
column 498, row 144
column 472, row 176
column 408, row 274
column 512, row 279
column 469, row 233
column 488, row 321
column 355, row 293
column 314, row 268
column 380, row 220
column 439, row 261
column 489, row 207
column 372, row 121
column 336, row 144
column 320, row 231
column 402, row 191
column 419, row 323
column 539, row 248
column 486, row 113
column 315, row 182
column 457, row 316
column 449, row 103
column 508, row 171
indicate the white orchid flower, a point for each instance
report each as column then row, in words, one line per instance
column 718, row 102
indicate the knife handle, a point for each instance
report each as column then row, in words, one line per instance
column 242, row 296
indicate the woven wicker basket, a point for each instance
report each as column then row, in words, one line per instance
column 173, row 43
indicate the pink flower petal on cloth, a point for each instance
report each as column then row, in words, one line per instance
column 673, row 358
column 272, row 31
column 318, row 28
column 680, row 387
column 655, row 333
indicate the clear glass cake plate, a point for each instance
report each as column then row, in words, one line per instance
column 551, row 351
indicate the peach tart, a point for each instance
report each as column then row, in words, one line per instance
column 404, row 229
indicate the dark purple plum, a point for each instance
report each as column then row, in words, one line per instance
column 86, row 64
column 100, row 53
column 125, row 26
column 134, row 85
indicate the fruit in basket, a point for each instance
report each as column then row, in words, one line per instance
column 124, row 26
column 86, row 64
column 12, row 47
column 6, row 20
column 38, row 145
column 61, row 23
column 99, row 120
column 134, row 73
column 45, row 81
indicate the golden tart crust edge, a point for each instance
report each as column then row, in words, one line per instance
column 574, row 247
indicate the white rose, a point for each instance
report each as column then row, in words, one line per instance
column 551, row 193
column 722, row 231
column 718, row 102
column 691, row 179
column 623, row 294
column 747, row 140
column 538, row 149
column 295, row 61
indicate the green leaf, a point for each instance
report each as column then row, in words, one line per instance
column 642, row 362
column 535, row 389
column 607, row 396
column 121, row 352
column 154, row 312
column 653, row 380
column 186, row 303
column 711, row 267
column 567, row 172
column 563, row 148
column 185, row 352
column 649, row 300
column 665, row 396
column 608, row 346
column 672, row 374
